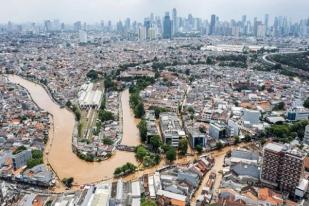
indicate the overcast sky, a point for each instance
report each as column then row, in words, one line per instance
column 96, row 10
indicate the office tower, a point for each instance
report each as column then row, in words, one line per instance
column 109, row 25
column 147, row 24
column 77, row 26
column 255, row 25
column 152, row 17
column 167, row 26
column 243, row 20
column 152, row 33
column 127, row 24
column 282, row 167
column 102, row 24
column 212, row 28
column 261, row 30
column 83, row 36
column 120, row 27
column 47, row 25
column 266, row 20
column 175, row 22
column 142, row 36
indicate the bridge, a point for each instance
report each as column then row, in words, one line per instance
column 126, row 148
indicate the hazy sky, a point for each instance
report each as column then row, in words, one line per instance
column 95, row 10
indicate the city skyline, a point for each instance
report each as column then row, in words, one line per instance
column 70, row 11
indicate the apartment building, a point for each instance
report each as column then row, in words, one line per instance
column 171, row 128
column 282, row 167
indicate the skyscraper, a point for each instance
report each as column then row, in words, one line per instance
column 167, row 26
column 175, row 22
column 212, row 28
column 147, row 24
column 266, row 20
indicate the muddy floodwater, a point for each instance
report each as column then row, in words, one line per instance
column 58, row 151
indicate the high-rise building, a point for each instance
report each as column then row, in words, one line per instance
column 77, row 26
column 282, row 167
column 261, row 31
column 142, row 36
column 212, row 28
column 83, row 38
column 266, row 21
column 306, row 135
column 167, row 26
column 175, row 22
column 147, row 25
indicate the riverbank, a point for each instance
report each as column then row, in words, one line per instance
column 60, row 154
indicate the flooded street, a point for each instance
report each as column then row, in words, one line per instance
column 58, row 151
column 130, row 131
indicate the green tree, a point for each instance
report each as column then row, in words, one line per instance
column 68, row 181
column 34, row 162
column 236, row 140
column 19, row 149
column 92, row 74
column 155, row 142
column 37, row 154
column 141, row 152
column 279, row 106
column 171, row 154
column 108, row 83
column 139, row 110
column 183, row 146
column 148, row 202
column 247, row 138
column 199, row 149
column 105, row 115
column 263, row 141
column 118, row 171
column 108, row 141
column 142, row 126
column 219, row 145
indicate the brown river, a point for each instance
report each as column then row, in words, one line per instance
column 58, row 151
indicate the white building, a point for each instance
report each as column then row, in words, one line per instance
column 251, row 116
column 88, row 97
column 233, row 128
column 217, row 130
column 83, row 38
column 142, row 33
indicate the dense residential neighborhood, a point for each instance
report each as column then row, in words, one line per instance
column 174, row 112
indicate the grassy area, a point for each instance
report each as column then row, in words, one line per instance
column 297, row 60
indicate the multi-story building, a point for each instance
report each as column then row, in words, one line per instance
column 297, row 113
column 167, row 26
column 20, row 159
column 171, row 129
column 217, row 130
column 282, row 167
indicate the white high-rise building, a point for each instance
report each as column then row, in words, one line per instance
column 142, row 33
column 83, row 38
column 152, row 33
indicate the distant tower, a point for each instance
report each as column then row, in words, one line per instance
column 83, row 36
column 167, row 26
column 212, row 28
column 175, row 22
